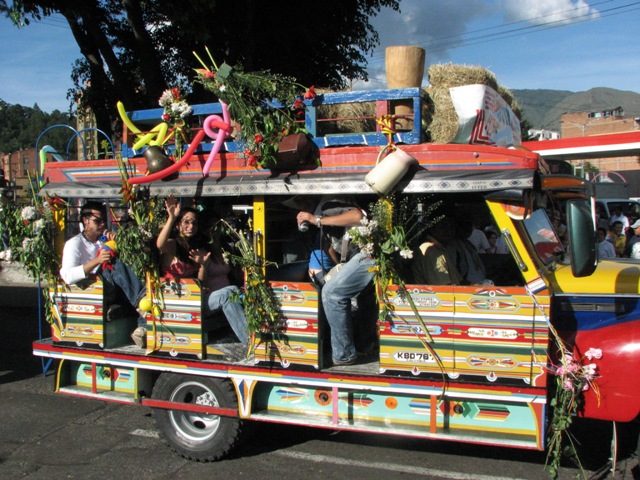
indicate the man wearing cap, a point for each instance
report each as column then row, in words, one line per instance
column 632, row 249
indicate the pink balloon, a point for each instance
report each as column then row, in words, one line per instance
column 212, row 121
column 224, row 131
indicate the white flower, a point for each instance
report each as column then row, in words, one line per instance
column 180, row 109
column 29, row 213
column 367, row 249
column 38, row 226
column 406, row 253
column 166, row 98
column 594, row 353
column 222, row 88
column 27, row 244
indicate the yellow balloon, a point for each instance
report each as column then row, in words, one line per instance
column 125, row 118
column 145, row 305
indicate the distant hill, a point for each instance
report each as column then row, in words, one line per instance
column 542, row 108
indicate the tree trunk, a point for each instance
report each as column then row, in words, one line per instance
column 146, row 52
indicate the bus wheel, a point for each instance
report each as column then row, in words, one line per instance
column 193, row 435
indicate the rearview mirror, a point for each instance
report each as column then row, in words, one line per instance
column 582, row 238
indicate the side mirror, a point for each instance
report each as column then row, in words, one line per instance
column 582, row 238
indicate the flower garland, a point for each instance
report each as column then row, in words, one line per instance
column 32, row 231
column 176, row 110
column 267, row 106
column 386, row 236
column 261, row 305
column 136, row 241
column 573, row 377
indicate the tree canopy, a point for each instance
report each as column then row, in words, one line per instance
column 133, row 50
column 21, row 126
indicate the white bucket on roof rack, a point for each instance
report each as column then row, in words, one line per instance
column 386, row 174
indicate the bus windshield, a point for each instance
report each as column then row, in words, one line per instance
column 544, row 238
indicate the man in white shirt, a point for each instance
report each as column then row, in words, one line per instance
column 83, row 255
column 618, row 216
column 479, row 240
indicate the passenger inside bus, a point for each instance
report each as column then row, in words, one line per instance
column 468, row 259
column 433, row 263
column 184, row 254
column 349, row 338
column 86, row 254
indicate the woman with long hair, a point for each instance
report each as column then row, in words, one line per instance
column 183, row 254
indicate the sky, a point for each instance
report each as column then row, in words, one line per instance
column 572, row 45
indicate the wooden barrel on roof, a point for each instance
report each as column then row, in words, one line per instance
column 404, row 65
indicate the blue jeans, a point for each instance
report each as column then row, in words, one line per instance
column 221, row 300
column 122, row 277
column 354, row 276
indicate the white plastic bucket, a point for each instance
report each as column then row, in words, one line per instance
column 386, row 174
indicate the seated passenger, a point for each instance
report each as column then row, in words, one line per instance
column 83, row 254
column 433, row 265
column 492, row 238
column 468, row 261
column 183, row 255
column 478, row 239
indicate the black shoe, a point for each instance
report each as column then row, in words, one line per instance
column 114, row 312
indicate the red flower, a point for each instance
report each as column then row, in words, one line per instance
column 311, row 93
column 205, row 73
column 298, row 104
column 175, row 92
column 55, row 201
column 258, row 138
column 253, row 161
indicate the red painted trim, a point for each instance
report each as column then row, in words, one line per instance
column 189, row 407
column 590, row 141
column 220, row 369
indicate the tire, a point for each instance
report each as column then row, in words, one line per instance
column 194, row 435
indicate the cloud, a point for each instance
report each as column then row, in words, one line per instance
column 429, row 23
column 541, row 12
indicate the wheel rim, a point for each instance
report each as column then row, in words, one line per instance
column 194, row 426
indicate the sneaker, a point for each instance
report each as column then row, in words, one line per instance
column 139, row 337
column 342, row 363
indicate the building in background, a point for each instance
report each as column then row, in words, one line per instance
column 19, row 172
column 605, row 122
column 542, row 134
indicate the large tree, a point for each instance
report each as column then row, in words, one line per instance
column 134, row 49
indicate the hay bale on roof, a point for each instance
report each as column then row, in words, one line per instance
column 450, row 75
column 347, row 117
column 440, row 117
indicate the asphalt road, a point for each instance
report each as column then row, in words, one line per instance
column 47, row 436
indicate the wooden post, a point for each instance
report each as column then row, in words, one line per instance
column 404, row 69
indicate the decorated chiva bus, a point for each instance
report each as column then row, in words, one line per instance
column 505, row 359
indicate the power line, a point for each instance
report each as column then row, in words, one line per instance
column 440, row 44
